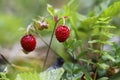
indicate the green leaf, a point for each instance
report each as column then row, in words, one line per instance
column 94, row 50
column 108, row 57
column 109, row 26
column 103, row 20
column 76, row 44
column 107, row 35
column 28, row 76
column 46, row 75
column 111, row 10
column 78, row 75
column 72, row 45
column 81, row 54
column 68, row 67
column 103, row 78
column 81, row 17
column 106, row 42
column 50, row 9
column 93, row 41
column 101, row 26
column 3, row 76
column 73, row 5
column 73, row 71
column 54, row 74
column 88, row 23
column 87, row 61
column 70, row 51
column 103, row 65
column 68, row 43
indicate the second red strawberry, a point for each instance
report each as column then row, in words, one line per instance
column 62, row 33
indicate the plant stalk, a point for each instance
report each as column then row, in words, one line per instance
column 50, row 44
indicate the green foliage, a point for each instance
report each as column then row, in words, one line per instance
column 3, row 76
column 111, row 10
column 91, row 31
column 28, row 76
column 73, row 71
column 71, row 46
column 104, row 78
column 54, row 74
column 50, row 9
column 97, row 30
column 115, row 54
column 88, row 36
column 46, row 75
column 106, row 56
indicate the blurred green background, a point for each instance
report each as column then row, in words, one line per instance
column 15, row 15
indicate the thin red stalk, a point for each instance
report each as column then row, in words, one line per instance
column 50, row 44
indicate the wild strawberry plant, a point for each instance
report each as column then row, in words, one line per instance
column 80, row 41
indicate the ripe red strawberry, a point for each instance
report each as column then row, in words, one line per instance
column 28, row 42
column 62, row 33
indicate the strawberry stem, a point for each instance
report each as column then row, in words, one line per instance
column 50, row 44
column 28, row 28
column 63, row 20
